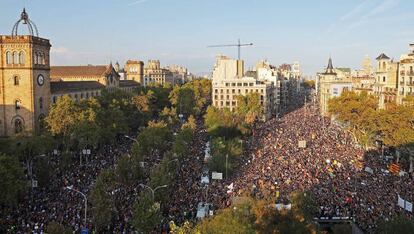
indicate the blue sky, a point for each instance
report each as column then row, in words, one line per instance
column 179, row 31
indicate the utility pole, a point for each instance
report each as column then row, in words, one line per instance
column 227, row 156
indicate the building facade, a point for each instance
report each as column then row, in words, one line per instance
column 330, row 85
column 228, row 82
column 24, row 80
column 134, row 70
column 29, row 85
column 406, row 76
column 154, row 73
column 386, row 75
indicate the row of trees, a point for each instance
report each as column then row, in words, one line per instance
column 157, row 152
column 72, row 126
column 228, row 128
column 248, row 215
column 392, row 126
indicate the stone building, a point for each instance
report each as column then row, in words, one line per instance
column 28, row 84
column 330, row 85
column 80, row 82
column 134, row 70
column 386, row 75
column 154, row 73
column 406, row 75
column 24, row 79
column 228, row 82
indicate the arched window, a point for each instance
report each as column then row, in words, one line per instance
column 18, row 126
column 15, row 58
column 54, row 99
column 41, row 120
column 17, row 104
column 81, row 95
column 87, row 95
column 22, row 57
column 16, row 80
column 9, row 58
column 76, row 96
column 41, row 103
column 41, row 58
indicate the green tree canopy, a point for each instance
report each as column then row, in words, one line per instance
column 12, row 181
column 359, row 112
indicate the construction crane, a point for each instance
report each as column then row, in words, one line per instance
column 238, row 45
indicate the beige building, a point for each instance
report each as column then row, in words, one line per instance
column 24, row 80
column 330, row 85
column 386, row 75
column 28, row 84
column 154, row 73
column 363, row 80
column 406, row 75
column 84, row 82
column 228, row 82
column 134, row 70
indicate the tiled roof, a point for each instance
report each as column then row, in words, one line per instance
column 80, row 71
column 382, row 56
column 58, row 87
column 128, row 83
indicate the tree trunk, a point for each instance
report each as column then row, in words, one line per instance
column 411, row 163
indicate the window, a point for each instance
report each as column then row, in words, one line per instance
column 22, row 58
column 16, row 80
column 54, row 99
column 81, row 95
column 17, row 104
column 36, row 58
column 87, row 95
column 41, row 120
column 41, row 103
column 18, row 126
column 15, row 58
column 383, row 79
column 9, row 58
column 76, row 96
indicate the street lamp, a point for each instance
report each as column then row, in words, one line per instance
column 153, row 190
column 84, row 197
column 132, row 139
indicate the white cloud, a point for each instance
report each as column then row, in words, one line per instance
column 355, row 11
column 384, row 6
column 137, row 2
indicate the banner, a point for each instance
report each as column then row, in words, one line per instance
column 302, row 144
column 283, row 206
column 401, row 202
column 369, row 170
column 408, row 206
column 216, row 176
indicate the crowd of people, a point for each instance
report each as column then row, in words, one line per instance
column 300, row 151
column 326, row 163
column 55, row 202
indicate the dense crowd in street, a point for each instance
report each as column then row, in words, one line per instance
column 275, row 166
column 327, row 164
column 55, row 202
